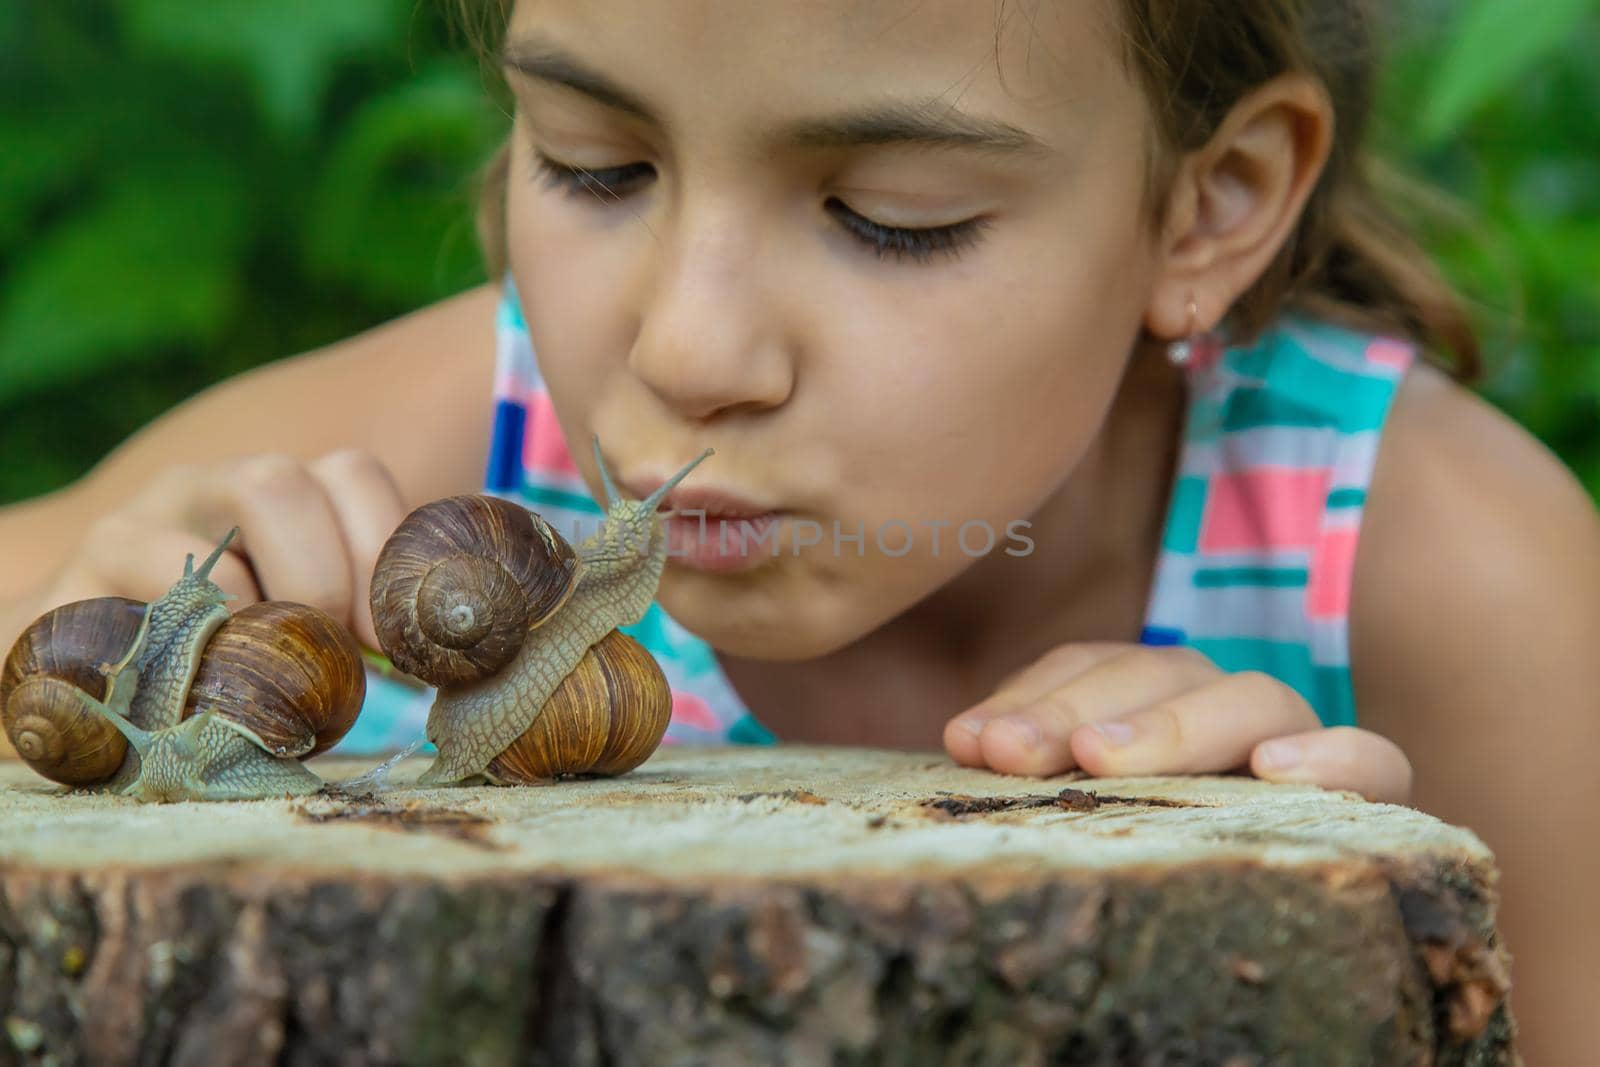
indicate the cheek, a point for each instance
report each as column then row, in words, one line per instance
column 572, row 321
column 967, row 405
column 1000, row 379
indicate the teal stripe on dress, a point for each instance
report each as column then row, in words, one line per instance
column 1301, row 383
column 649, row 630
column 1287, row 661
column 509, row 313
column 747, row 731
column 1249, row 408
column 1183, row 517
column 538, row 496
column 1268, row 577
column 1203, row 419
column 1336, row 703
column 1247, row 362
column 1362, row 401
column 1347, row 498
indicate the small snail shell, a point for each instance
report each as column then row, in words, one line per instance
column 605, row 718
column 51, row 729
column 287, row 673
column 463, row 580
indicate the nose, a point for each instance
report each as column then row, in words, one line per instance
column 711, row 337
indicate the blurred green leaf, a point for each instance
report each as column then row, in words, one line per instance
column 10, row 29
column 151, row 264
column 288, row 47
column 38, row 153
column 397, row 189
column 1496, row 42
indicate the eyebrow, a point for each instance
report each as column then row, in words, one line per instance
column 892, row 122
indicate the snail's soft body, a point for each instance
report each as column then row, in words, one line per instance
column 195, row 704
column 207, row 757
column 568, row 631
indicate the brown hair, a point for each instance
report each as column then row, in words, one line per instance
column 1350, row 258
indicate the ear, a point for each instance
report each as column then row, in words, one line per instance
column 1236, row 200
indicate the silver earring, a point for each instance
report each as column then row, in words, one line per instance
column 1181, row 352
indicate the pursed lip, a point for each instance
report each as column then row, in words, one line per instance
column 714, row 501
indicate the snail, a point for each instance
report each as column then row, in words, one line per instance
column 517, row 628
column 215, row 706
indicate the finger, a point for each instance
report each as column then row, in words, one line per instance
column 287, row 528
column 1340, row 757
column 1020, row 688
column 1036, row 739
column 1210, row 729
column 124, row 555
column 368, row 506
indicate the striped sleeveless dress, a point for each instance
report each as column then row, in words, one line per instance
column 1256, row 559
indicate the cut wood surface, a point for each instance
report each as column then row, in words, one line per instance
column 750, row 905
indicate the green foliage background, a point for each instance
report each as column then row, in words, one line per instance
column 191, row 188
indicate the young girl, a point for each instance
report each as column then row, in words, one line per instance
column 1056, row 358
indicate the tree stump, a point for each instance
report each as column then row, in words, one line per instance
column 750, row 905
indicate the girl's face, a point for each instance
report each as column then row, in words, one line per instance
column 738, row 273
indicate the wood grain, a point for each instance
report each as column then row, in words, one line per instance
column 771, row 905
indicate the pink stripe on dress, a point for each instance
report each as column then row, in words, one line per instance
column 1333, row 565
column 544, row 448
column 1264, row 508
column 691, row 710
column 1387, row 352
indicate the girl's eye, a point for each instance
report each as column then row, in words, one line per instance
column 613, row 183
column 608, row 183
column 920, row 244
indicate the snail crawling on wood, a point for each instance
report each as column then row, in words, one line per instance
column 215, row 706
column 517, row 629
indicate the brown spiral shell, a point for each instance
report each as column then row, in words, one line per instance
column 52, row 732
column 287, row 672
column 605, row 718
column 460, row 583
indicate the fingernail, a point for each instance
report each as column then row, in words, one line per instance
column 1115, row 733
column 1025, row 728
column 1279, row 755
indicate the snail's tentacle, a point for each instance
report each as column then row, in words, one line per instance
column 630, row 534
column 118, row 702
column 605, row 473
column 138, row 737
column 650, row 502
column 204, row 573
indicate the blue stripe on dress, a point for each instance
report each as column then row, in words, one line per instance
column 505, row 447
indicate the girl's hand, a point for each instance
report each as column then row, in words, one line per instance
column 308, row 532
column 1121, row 709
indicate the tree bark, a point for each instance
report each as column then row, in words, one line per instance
column 782, row 905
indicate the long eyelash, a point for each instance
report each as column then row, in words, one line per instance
column 883, row 241
column 919, row 244
column 578, row 181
